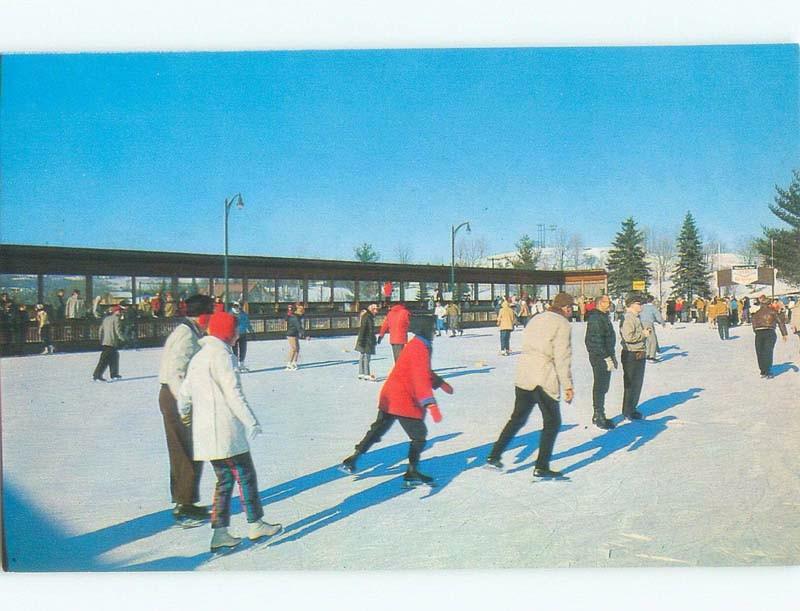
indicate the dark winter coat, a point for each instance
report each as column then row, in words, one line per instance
column 365, row 342
column 294, row 326
column 396, row 322
column 600, row 338
column 409, row 388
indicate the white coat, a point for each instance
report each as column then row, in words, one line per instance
column 181, row 345
column 212, row 393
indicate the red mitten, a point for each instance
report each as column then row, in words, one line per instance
column 435, row 413
column 446, row 388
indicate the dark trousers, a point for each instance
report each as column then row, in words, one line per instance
column 602, row 380
column 723, row 324
column 765, row 344
column 523, row 404
column 237, row 469
column 633, row 378
column 505, row 340
column 44, row 335
column 184, row 473
column 734, row 318
column 415, row 429
column 240, row 348
column 109, row 357
column 396, row 350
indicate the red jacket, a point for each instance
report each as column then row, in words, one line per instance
column 409, row 388
column 396, row 322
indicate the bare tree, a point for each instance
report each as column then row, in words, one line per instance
column 403, row 253
column 471, row 251
column 560, row 245
column 575, row 250
column 747, row 249
column 661, row 248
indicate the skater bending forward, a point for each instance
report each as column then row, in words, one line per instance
column 543, row 373
column 211, row 398
column 406, row 396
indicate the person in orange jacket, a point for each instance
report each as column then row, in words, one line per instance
column 396, row 323
column 407, row 396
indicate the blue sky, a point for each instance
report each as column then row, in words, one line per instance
column 331, row 149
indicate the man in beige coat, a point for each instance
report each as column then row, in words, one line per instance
column 543, row 372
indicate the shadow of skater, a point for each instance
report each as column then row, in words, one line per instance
column 445, row 468
column 672, row 355
column 466, row 372
column 632, row 435
column 784, row 367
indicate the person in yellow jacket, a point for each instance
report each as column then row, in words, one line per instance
column 506, row 320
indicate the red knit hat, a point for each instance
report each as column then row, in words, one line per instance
column 222, row 326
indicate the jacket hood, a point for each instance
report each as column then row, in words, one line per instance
column 213, row 342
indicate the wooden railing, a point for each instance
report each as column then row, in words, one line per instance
column 83, row 334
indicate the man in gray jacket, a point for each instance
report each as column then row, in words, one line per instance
column 544, row 371
column 110, row 339
column 633, row 336
column 184, row 472
column 649, row 317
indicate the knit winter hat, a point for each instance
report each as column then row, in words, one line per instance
column 563, row 300
column 222, row 325
column 422, row 325
column 633, row 298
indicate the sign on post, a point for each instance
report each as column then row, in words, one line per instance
column 638, row 285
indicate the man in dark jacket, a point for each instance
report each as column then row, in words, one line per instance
column 764, row 322
column 365, row 342
column 600, row 343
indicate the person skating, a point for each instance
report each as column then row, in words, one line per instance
column 764, row 322
column 184, row 471
column 454, row 319
column 506, row 320
column 43, row 321
column 600, row 343
column 365, row 342
column 718, row 314
column 633, row 337
column 240, row 349
column 441, row 317
column 543, row 373
column 396, row 323
column 407, row 396
column 295, row 331
column 212, row 401
column 111, row 338
column 649, row 317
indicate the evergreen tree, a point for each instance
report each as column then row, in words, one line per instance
column 366, row 253
column 626, row 260
column 528, row 254
column 785, row 255
column 691, row 272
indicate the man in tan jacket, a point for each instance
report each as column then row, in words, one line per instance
column 544, row 370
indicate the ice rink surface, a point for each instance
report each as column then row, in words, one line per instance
column 710, row 478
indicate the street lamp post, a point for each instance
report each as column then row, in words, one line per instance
column 236, row 199
column 453, row 231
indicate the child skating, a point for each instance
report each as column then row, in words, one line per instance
column 406, row 396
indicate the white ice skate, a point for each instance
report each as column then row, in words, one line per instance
column 261, row 529
column 221, row 541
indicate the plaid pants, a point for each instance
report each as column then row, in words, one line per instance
column 236, row 469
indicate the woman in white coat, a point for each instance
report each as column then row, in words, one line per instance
column 211, row 398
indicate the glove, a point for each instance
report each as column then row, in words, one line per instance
column 435, row 413
column 446, row 388
column 255, row 431
column 611, row 365
column 380, row 339
column 187, row 420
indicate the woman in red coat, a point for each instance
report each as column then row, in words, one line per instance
column 396, row 323
column 406, row 396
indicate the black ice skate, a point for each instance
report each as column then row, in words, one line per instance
column 348, row 465
column 414, row 478
column 494, row 463
column 190, row 516
column 539, row 474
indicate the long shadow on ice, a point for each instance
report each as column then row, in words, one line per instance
column 443, row 468
column 672, row 355
column 784, row 367
column 632, row 435
column 466, row 372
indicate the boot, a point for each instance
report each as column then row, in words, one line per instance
column 349, row 464
column 221, row 540
column 262, row 529
column 413, row 477
column 599, row 419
